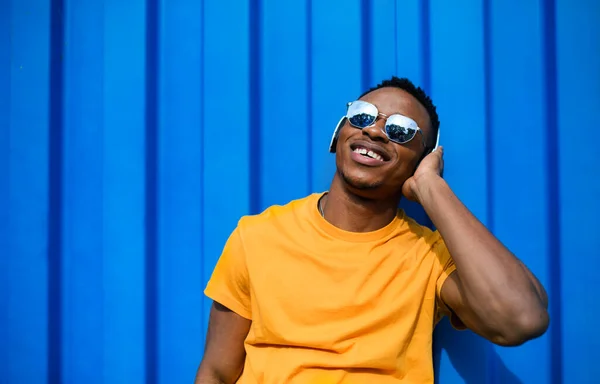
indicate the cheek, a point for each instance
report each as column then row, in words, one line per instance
column 341, row 145
column 346, row 132
column 409, row 154
column 402, row 173
column 407, row 160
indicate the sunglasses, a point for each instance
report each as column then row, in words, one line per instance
column 398, row 128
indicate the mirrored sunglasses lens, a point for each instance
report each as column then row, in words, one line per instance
column 362, row 114
column 362, row 120
column 399, row 133
column 401, row 129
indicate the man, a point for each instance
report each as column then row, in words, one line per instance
column 342, row 287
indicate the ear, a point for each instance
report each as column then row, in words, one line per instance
column 335, row 135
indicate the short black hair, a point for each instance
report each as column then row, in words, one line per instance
column 419, row 94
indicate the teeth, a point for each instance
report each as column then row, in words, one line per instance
column 371, row 154
column 374, row 155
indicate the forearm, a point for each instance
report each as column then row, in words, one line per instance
column 495, row 283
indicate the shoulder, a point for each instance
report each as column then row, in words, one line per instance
column 429, row 245
column 277, row 216
column 420, row 232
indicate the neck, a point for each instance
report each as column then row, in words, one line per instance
column 353, row 213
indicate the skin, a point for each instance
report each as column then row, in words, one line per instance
column 491, row 291
column 224, row 352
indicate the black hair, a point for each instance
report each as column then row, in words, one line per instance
column 419, row 94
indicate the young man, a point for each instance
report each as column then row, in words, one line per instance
column 342, row 287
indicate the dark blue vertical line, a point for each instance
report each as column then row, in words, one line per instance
column 491, row 369
column 488, row 103
column 255, row 100
column 201, row 149
column 426, row 80
column 396, row 48
column 55, row 216
column 552, row 153
column 426, row 44
column 367, row 45
column 309, row 99
column 151, row 222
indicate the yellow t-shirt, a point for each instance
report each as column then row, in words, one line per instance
column 330, row 306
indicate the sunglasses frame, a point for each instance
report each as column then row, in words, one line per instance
column 341, row 123
column 386, row 117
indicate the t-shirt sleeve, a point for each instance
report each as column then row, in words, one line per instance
column 229, row 284
column 446, row 267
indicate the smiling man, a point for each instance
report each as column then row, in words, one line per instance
column 343, row 287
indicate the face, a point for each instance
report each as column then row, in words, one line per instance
column 383, row 177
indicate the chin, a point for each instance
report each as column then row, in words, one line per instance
column 357, row 182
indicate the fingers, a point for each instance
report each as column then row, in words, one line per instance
column 441, row 155
column 439, row 152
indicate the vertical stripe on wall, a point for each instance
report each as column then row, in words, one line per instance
column 284, row 131
column 254, row 98
column 226, row 127
column 308, row 35
column 124, row 195
column 366, row 26
column 380, row 50
column 180, row 170
column 577, row 99
column 553, row 190
column 82, row 257
column 152, row 181
column 518, row 186
column 410, row 41
column 336, row 77
column 55, row 208
column 28, row 95
column 133, row 136
column 425, row 32
column 412, row 58
column 458, row 89
column 5, row 86
column 491, row 359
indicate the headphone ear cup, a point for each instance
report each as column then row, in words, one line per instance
column 437, row 141
column 335, row 135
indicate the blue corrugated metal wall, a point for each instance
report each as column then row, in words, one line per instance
column 134, row 134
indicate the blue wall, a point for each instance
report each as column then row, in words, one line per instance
column 134, row 134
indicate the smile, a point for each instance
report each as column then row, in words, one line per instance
column 368, row 153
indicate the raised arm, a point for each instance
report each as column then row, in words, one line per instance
column 224, row 352
column 492, row 292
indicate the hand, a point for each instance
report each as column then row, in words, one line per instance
column 432, row 166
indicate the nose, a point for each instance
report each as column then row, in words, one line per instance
column 376, row 132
